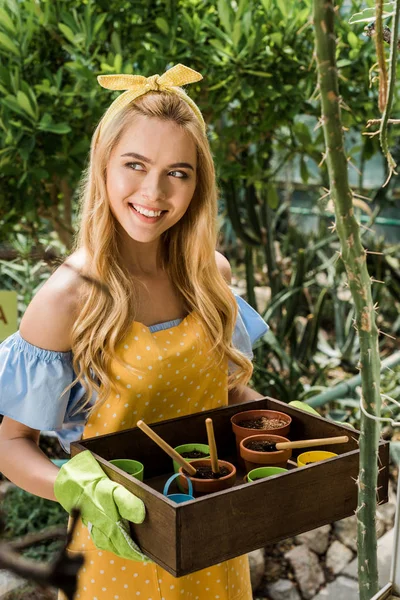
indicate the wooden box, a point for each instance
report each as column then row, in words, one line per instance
column 183, row 538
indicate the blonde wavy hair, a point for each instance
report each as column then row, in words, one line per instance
column 187, row 255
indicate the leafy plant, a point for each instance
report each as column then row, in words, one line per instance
column 26, row 513
column 25, row 274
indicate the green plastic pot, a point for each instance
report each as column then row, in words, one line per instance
column 262, row 472
column 132, row 467
column 189, row 448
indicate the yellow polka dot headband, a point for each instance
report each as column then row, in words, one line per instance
column 137, row 85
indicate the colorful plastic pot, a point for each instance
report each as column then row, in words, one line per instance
column 263, row 472
column 304, row 406
column 208, row 486
column 253, row 458
column 178, row 498
column 132, row 467
column 313, row 456
column 189, row 448
column 243, row 432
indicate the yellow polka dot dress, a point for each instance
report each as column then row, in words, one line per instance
column 169, row 373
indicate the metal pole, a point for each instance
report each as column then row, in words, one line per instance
column 344, row 389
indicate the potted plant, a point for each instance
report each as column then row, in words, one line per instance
column 206, row 481
column 255, row 451
column 259, row 422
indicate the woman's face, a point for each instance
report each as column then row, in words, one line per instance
column 151, row 177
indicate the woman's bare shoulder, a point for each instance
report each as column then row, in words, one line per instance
column 51, row 314
column 224, row 266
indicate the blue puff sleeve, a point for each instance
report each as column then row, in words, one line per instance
column 31, row 383
column 250, row 326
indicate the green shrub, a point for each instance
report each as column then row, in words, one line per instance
column 25, row 513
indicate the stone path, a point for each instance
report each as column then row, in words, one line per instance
column 346, row 586
column 9, row 582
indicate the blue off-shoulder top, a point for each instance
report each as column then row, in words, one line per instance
column 32, row 379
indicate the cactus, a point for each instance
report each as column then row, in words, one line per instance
column 354, row 258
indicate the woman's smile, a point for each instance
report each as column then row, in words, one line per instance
column 146, row 215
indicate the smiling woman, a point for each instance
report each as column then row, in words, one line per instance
column 137, row 194
column 87, row 363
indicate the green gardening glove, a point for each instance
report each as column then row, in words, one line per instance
column 106, row 506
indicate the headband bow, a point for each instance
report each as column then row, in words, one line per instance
column 137, row 85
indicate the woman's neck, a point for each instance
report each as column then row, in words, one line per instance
column 141, row 260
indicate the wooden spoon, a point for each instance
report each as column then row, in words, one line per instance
column 213, row 446
column 167, row 448
column 341, row 439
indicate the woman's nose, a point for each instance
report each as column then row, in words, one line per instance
column 153, row 188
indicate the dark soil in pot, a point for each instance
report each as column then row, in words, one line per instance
column 207, row 473
column 194, row 454
column 262, row 423
column 261, row 446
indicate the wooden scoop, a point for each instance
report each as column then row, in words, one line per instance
column 167, row 448
column 341, row 439
column 212, row 445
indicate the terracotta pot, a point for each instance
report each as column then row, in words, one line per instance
column 243, row 432
column 254, row 459
column 209, row 486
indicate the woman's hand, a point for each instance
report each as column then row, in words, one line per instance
column 106, row 506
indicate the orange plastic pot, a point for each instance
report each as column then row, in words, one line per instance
column 208, row 486
column 242, row 432
column 253, row 459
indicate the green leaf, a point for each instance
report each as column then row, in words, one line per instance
column 80, row 147
column 353, row 39
column 240, row 10
column 302, row 133
column 68, row 33
column 343, row 62
column 283, row 7
column 59, row 128
column 247, row 23
column 246, row 90
column 118, row 63
column 25, row 147
column 24, row 103
column 237, row 33
column 12, row 104
column 7, row 22
column 272, row 196
column 22, row 179
column 257, row 73
column 220, row 84
column 13, row 6
column 99, row 23
column 368, row 14
column 220, row 46
column 116, row 42
column 8, row 44
column 162, row 25
column 277, row 38
column 39, row 173
column 303, row 170
column 224, row 13
column 267, row 5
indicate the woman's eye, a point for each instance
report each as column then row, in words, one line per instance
column 182, row 174
column 130, row 164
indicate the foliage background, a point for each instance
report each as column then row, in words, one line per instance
column 260, row 100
